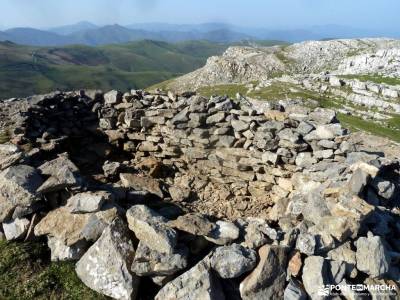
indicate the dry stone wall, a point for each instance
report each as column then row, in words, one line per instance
column 207, row 198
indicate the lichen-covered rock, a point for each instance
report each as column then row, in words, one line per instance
column 105, row 267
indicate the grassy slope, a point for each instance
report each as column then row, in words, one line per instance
column 26, row 273
column 132, row 65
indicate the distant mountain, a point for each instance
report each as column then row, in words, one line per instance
column 3, row 36
column 86, row 33
column 74, row 28
column 201, row 28
column 30, row 36
column 28, row 70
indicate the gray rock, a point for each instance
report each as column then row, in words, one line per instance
column 294, row 291
column 88, row 202
column 372, row 256
column 16, row 229
column 113, row 97
column 197, row 283
column 151, row 229
column 305, row 159
column 345, row 254
column 323, row 116
column 268, row 279
column 239, row 125
column 61, row 178
column 216, row 118
column 105, row 267
column 233, row 261
column 224, row 233
column 18, row 188
column 62, row 252
column 304, row 128
column 195, row 224
column 315, row 275
column 306, row 243
column 358, row 181
column 149, row 262
column 270, row 157
column 111, row 168
column 383, row 188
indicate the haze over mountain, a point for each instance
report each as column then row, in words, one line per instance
column 86, row 33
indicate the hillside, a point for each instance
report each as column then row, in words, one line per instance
column 28, row 70
column 359, row 78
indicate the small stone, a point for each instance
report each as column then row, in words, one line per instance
column 105, row 267
column 151, row 229
column 233, row 261
column 383, row 188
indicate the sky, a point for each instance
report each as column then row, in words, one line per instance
column 272, row 14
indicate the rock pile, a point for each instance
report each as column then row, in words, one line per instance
column 200, row 198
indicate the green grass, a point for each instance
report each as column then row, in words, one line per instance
column 374, row 78
column 26, row 273
column 358, row 124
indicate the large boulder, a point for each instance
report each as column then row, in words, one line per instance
column 268, row 279
column 105, row 267
column 151, row 229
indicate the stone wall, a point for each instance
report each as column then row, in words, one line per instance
column 204, row 197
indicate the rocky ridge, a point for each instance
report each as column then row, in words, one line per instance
column 204, row 198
